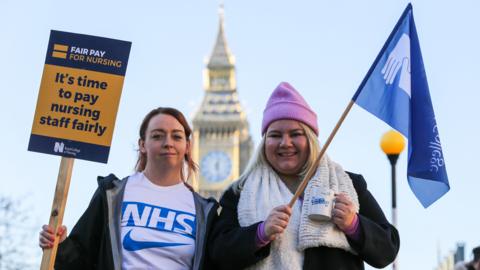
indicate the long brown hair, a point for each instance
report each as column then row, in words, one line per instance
column 142, row 157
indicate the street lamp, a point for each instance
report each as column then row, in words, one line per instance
column 392, row 144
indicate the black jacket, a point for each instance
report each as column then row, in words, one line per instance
column 94, row 242
column 233, row 247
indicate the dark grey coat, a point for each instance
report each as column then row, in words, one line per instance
column 95, row 243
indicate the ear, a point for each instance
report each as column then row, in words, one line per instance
column 187, row 149
column 141, row 146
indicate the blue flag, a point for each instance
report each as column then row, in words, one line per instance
column 396, row 91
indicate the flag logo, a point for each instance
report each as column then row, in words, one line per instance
column 399, row 60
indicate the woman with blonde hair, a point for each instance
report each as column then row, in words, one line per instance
column 257, row 229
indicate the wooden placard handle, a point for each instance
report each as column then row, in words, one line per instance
column 58, row 208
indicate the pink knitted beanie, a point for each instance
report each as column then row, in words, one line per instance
column 286, row 103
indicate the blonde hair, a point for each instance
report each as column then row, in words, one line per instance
column 259, row 159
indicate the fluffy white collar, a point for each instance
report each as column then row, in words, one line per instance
column 263, row 190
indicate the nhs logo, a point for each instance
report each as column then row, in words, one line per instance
column 318, row 200
column 58, row 147
column 135, row 214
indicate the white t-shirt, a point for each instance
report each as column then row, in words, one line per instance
column 157, row 226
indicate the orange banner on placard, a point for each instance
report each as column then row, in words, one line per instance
column 77, row 104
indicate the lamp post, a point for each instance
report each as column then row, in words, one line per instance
column 392, row 144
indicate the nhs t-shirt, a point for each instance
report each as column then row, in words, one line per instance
column 158, row 225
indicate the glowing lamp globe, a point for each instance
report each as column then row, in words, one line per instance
column 392, row 143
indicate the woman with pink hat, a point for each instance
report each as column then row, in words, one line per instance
column 257, row 229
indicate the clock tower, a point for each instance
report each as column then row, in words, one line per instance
column 222, row 144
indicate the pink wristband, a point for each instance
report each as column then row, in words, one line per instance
column 261, row 239
column 352, row 229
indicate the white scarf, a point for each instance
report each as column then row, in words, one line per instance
column 263, row 190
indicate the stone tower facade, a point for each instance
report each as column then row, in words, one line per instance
column 222, row 144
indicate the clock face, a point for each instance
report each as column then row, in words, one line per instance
column 216, row 166
column 220, row 81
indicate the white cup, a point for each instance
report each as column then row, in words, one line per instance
column 321, row 204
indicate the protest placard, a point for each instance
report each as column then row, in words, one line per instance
column 76, row 108
column 79, row 96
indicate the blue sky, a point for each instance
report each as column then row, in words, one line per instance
column 323, row 48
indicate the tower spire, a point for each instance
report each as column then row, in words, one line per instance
column 221, row 56
column 221, row 12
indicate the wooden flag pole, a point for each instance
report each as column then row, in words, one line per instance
column 313, row 169
column 58, row 208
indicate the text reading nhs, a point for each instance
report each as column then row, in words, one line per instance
column 158, row 218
